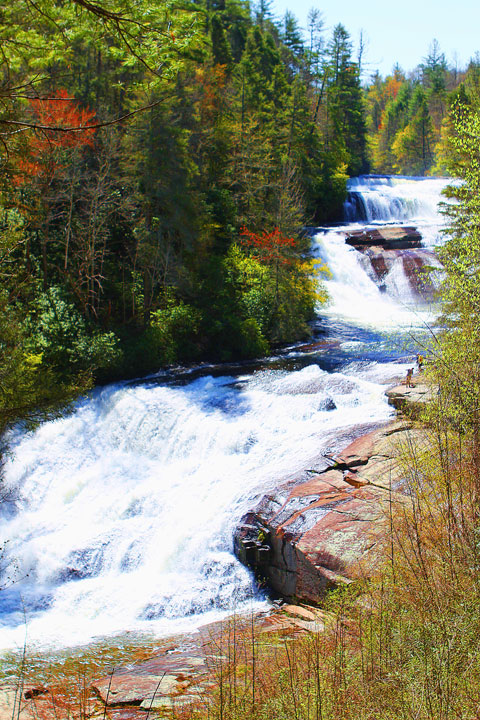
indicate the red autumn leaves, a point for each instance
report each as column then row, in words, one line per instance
column 271, row 248
column 59, row 124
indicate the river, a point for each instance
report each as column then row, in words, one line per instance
column 122, row 514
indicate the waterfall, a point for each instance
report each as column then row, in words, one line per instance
column 121, row 515
column 124, row 511
column 373, row 198
column 356, row 291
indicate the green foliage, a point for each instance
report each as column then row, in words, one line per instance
column 125, row 257
column 253, row 281
column 407, row 120
column 147, row 42
column 345, row 103
column 57, row 333
column 173, row 331
column 460, row 256
column 220, row 48
column 413, row 145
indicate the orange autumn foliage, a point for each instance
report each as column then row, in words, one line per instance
column 392, row 86
column 60, row 123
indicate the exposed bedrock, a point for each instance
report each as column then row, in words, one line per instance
column 328, row 529
column 414, row 263
column 387, row 250
column 387, row 237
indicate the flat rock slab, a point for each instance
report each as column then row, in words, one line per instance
column 182, row 676
column 126, row 713
column 325, row 531
column 146, row 683
column 411, row 400
column 387, row 237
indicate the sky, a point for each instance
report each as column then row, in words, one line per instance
column 400, row 32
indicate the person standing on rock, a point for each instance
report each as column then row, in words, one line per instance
column 408, row 380
column 419, row 362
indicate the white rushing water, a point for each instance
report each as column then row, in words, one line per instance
column 122, row 514
column 125, row 511
column 394, row 199
column 354, row 291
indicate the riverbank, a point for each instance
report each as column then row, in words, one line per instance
column 326, row 531
column 310, row 536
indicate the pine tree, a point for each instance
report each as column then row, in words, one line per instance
column 347, row 136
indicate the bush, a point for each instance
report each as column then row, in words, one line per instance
column 57, row 331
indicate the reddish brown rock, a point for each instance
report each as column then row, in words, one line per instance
column 185, row 674
column 386, row 247
column 387, row 237
column 169, row 675
column 325, row 530
column 413, row 263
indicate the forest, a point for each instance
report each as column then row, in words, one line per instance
column 159, row 164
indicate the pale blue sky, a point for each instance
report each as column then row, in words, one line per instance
column 402, row 31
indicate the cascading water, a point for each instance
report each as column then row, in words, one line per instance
column 376, row 198
column 121, row 515
column 355, row 292
column 125, row 510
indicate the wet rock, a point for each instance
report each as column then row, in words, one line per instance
column 387, row 249
column 388, row 238
column 148, row 682
column 325, row 531
column 383, row 264
column 182, row 675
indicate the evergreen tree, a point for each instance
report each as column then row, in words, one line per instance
column 347, row 134
column 220, row 47
column 413, row 145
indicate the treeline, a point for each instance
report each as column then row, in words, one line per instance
column 175, row 234
column 408, row 115
column 402, row 644
column 158, row 164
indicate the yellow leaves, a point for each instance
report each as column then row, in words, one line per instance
column 249, row 268
column 341, row 172
column 317, row 270
column 32, row 360
column 317, row 267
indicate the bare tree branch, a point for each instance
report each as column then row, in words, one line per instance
column 55, row 128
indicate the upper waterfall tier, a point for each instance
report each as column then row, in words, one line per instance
column 375, row 198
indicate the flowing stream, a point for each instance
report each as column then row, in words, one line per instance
column 121, row 515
